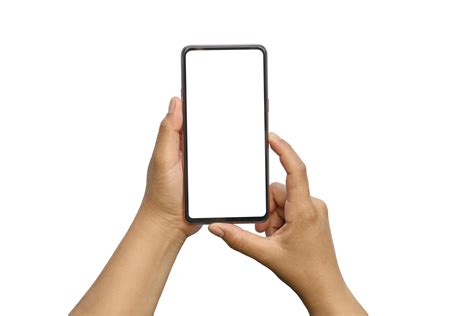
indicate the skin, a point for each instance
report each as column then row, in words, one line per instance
column 298, row 247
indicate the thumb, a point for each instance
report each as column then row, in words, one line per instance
column 252, row 245
column 167, row 145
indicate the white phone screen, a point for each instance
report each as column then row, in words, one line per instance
column 225, row 133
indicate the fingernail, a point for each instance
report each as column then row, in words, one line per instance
column 274, row 136
column 172, row 105
column 216, row 230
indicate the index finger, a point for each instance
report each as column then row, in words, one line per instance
column 297, row 179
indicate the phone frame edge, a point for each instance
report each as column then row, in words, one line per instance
column 210, row 220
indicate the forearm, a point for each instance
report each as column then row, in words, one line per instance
column 331, row 297
column 132, row 281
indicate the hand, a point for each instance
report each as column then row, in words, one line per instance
column 298, row 247
column 163, row 200
column 132, row 281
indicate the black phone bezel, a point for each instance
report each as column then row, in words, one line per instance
column 209, row 220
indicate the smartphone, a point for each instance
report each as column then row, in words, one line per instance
column 225, row 127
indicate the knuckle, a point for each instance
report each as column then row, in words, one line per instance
column 311, row 215
column 276, row 185
column 164, row 124
column 314, row 214
column 302, row 168
column 284, row 142
column 236, row 243
column 320, row 206
column 325, row 212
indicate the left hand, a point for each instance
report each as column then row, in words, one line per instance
column 163, row 201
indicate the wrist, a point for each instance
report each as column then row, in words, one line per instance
column 155, row 226
column 330, row 297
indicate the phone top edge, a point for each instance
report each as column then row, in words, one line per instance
column 189, row 48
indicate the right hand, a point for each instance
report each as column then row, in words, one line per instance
column 298, row 247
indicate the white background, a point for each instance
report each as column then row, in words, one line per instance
column 225, row 133
column 376, row 96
